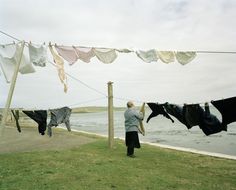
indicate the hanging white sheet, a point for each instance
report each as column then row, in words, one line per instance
column 105, row 55
column 147, row 56
column 185, row 57
column 38, row 54
column 166, row 56
column 9, row 57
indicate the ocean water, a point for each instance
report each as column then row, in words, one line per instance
column 161, row 130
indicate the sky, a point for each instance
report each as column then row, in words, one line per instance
column 141, row 25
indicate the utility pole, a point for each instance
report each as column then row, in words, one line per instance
column 110, row 115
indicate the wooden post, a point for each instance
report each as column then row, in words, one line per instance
column 110, row 115
column 11, row 90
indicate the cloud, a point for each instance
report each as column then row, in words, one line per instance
column 164, row 25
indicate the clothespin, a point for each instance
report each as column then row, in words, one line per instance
column 44, row 43
column 50, row 44
column 30, row 42
column 14, row 42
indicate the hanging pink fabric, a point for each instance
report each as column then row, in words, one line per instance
column 68, row 53
column 84, row 53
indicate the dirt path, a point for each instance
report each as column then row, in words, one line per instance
column 30, row 140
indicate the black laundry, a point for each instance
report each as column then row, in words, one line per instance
column 16, row 116
column 39, row 116
column 156, row 110
column 193, row 114
column 209, row 123
column 227, row 109
column 177, row 112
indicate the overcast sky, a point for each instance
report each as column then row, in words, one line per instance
column 138, row 24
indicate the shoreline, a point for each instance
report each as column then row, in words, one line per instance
column 191, row 150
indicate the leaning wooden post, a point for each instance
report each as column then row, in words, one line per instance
column 110, row 115
column 11, row 90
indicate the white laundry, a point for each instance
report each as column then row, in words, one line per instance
column 185, row 57
column 38, row 54
column 166, row 56
column 125, row 50
column 9, row 57
column 147, row 56
column 105, row 55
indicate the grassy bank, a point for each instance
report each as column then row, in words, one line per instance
column 94, row 166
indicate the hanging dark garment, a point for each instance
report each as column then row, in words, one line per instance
column 158, row 109
column 210, row 124
column 16, row 116
column 59, row 116
column 193, row 114
column 227, row 108
column 177, row 112
column 40, row 117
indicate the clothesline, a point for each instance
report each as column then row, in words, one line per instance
column 142, row 101
column 88, row 101
column 197, row 51
column 81, row 82
column 97, row 91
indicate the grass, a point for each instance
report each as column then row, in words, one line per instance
column 94, row 166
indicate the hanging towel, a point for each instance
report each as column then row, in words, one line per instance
column 185, row 57
column 16, row 116
column 84, row 53
column 68, row 53
column 166, row 56
column 38, row 55
column 40, row 117
column 156, row 110
column 147, row 56
column 105, row 55
column 60, row 67
column 59, row 116
column 227, row 109
column 9, row 57
column 177, row 112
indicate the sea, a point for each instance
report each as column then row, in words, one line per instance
column 162, row 131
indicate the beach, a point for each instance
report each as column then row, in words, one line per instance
column 162, row 131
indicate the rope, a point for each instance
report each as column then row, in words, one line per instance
column 10, row 36
column 141, row 101
column 88, row 101
column 198, row 51
column 122, row 99
column 83, row 83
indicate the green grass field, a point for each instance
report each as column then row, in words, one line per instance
column 94, row 166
